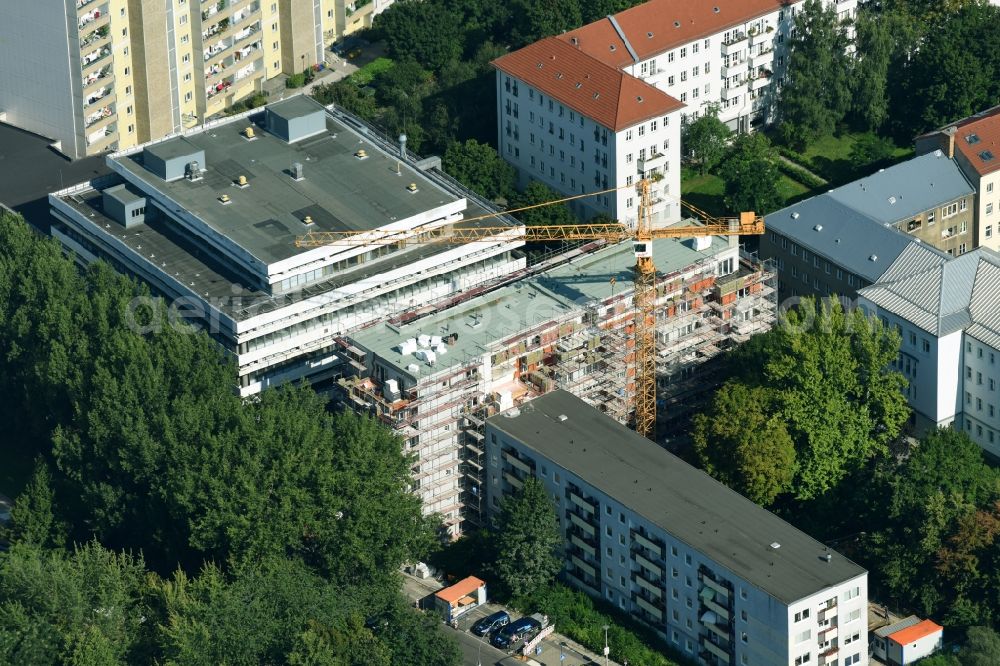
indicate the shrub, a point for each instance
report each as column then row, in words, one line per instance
column 801, row 175
column 295, row 80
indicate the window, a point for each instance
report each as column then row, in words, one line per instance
column 684, row 75
column 684, row 97
column 852, row 594
column 854, row 615
column 670, row 80
column 684, row 51
column 803, row 636
column 925, row 344
column 804, row 659
column 694, row 47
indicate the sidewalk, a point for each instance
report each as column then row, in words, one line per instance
column 574, row 654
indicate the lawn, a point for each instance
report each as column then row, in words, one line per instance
column 706, row 192
column 829, row 157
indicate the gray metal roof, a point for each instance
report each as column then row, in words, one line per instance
column 905, row 623
column 955, row 295
column 692, row 506
column 847, row 237
column 906, row 189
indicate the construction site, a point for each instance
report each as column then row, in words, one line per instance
column 435, row 374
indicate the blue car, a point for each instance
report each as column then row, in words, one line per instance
column 523, row 629
column 491, row 623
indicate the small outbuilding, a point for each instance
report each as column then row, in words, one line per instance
column 453, row 602
column 907, row 641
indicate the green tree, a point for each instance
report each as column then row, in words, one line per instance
column 535, row 20
column 874, row 44
column 479, row 167
column 528, row 540
column 89, row 606
column 946, row 80
column 537, row 193
column 417, row 638
column 705, row 140
column 751, row 175
column 743, row 442
column 426, row 32
column 869, row 148
column 982, row 647
column 34, row 517
column 816, row 95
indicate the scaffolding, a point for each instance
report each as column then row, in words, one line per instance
column 585, row 349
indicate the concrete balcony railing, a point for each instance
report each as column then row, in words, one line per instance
column 733, row 91
column 760, row 81
column 734, row 44
column 586, row 527
column 90, row 62
column 654, row 161
column 101, row 139
column 99, row 117
column 92, row 16
column 93, row 80
column 762, row 59
column 103, row 94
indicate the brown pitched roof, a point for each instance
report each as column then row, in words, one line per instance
column 977, row 138
column 660, row 25
column 588, row 86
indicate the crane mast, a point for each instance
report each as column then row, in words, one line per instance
column 642, row 236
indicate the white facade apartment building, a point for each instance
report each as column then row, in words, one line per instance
column 724, row 53
column 581, row 126
column 948, row 318
column 176, row 215
column 715, row 575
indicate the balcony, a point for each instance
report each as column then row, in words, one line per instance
column 654, row 161
column 583, row 566
column 646, row 543
column 92, row 80
column 580, row 502
column 101, row 93
column 89, row 61
column 760, row 81
column 583, row 545
column 734, row 44
column 649, row 608
column 99, row 117
column 92, row 16
column 516, row 462
column 828, row 656
column 757, row 37
column 733, row 91
column 101, row 139
column 715, row 649
column 96, row 36
column 717, row 588
column 587, row 528
column 762, row 59
column 243, row 14
column 650, row 586
column 735, row 68
column 652, row 567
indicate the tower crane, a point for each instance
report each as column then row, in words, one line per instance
column 641, row 235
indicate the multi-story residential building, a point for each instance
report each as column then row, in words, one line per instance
column 822, row 248
column 927, row 197
column 209, row 219
column 974, row 143
column 948, row 318
column 434, row 374
column 105, row 75
column 718, row 577
column 353, row 15
column 726, row 55
column 581, row 126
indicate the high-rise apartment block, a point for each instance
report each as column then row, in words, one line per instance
column 105, row 75
column 721, row 579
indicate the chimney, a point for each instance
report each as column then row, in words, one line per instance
column 948, row 142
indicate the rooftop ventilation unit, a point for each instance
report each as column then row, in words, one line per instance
column 296, row 171
column 249, row 133
column 412, row 188
column 892, row 200
column 307, row 220
column 818, row 227
column 225, row 200
column 775, row 545
column 795, row 216
column 563, row 417
column 361, row 154
column 873, row 257
column 192, row 171
column 241, row 182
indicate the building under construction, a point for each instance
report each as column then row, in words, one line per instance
column 435, row 378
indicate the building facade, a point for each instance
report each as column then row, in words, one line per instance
column 209, row 219
column 581, row 126
column 716, row 576
column 974, row 144
column 948, row 319
column 105, row 75
column 435, row 374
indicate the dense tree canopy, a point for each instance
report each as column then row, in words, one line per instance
column 705, row 139
column 528, row 540
column 480, row 168
column 751, row 175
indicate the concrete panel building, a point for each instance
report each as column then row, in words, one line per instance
column 105, row 75
column 223, row 207
column 435, row 374
column 974, row 143
column 718, row 577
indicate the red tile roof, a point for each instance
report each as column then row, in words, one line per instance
column 915, row 633
column 590, row 87
column 985, row 128
column 660, row 25
column 459, row 590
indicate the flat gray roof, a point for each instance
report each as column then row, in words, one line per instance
column 340, row 192
column 684, row 501
column 173, row 148
column 124, row 193
column 295, row 107
column 484, row 320
column 906, row 189
column 159, row 241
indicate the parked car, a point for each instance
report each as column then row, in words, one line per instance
column 491, row 623
column 522, row 629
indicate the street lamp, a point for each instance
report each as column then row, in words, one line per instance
column 562, row 654
column 479, row 651
column 606, row 649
